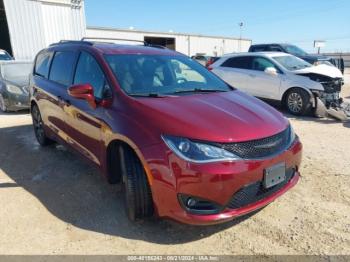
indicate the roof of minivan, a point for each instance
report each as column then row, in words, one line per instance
column 113, row 48
column 132, row 49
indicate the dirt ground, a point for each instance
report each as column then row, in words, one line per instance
column 52, row 202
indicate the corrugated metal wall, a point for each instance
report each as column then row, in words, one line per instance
column 34, row 24
column 186, row 44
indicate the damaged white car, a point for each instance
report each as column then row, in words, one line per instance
column 274, row 76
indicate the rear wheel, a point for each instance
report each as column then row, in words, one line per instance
column 297, row 102
column 138, row 196
column 3, row 107
column 38, row 125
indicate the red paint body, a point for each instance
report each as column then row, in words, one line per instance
column 140, row 122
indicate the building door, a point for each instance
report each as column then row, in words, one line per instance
column 167, row 42
column 5, row 42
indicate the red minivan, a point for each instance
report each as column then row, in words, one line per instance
column 184, row 143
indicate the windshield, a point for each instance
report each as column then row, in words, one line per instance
column 294, row 50
column 4, row 55
column 162, row 75
column 15, row 70
column 291, row 62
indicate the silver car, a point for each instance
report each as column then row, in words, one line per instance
column 14, row 82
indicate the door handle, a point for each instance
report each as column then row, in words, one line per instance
column 251, row 75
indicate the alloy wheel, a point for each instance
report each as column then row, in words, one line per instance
column 295, row 102
column 38, row 124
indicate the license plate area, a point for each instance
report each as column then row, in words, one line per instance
column 274, row 175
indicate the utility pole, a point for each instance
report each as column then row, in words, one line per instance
column 240, row 36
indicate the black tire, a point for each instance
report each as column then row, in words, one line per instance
column 3, row 107
column 297, row 102
column 137, row 192
column 39, row 130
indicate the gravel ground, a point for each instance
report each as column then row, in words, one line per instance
column 52, row 202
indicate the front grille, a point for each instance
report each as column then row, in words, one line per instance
column 256, row 191
column 333, row 86
column 260, row 148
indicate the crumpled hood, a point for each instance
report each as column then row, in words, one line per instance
column 220, row 117
column 321, row 69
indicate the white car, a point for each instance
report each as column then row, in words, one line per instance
column 282, row 77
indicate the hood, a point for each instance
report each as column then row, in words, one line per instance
column 217, row 117
column 322, row 69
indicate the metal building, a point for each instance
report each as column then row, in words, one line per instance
column 27, row 26
column 189, row 44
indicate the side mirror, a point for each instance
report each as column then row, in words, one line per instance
column 271, row 71
column 83, row 91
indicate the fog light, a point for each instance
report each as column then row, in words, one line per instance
column 191, row 202
column 196, row 205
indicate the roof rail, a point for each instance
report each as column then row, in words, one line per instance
column 72, row 42
column 122, row 39
column 108, row 38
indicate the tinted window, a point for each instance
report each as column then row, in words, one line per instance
column 260, row 64
column 242, row 62
column 259, row 48
column 276, row 48
column 43, row 64
column 89, row 72
column 62, row 67
column 158, row 74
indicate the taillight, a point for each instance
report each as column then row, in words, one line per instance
column 210, row 68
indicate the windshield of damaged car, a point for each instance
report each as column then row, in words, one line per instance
column 15, row 71
column 146, row 75
column 291, row 62
column 294, row 50
column 4, row 55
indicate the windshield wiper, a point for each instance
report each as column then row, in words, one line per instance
column 148, row 95
column 199, row 90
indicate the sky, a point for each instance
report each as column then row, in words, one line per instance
column 264, row 21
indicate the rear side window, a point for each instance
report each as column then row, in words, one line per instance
column 88, row 71
column 276, row 48
column 62, row 67
column 42, row 65
column 257, row 49
column 242, row 62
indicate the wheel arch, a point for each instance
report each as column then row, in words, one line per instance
column 114, row 168
column 284, row 96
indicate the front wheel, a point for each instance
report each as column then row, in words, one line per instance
column 297, row 102
column 38, row 125
column 138, row 196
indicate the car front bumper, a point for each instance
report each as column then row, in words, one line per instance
column 216, row 182
column 15, row 102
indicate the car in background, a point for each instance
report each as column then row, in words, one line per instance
column 205, row 60
column 313, row 59
column 5, row 56
column 276, row 76
column 14, row 83
column 183, row 142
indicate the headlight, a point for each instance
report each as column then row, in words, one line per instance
column 197, row 152
column 14, row 89
column 318, row 93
